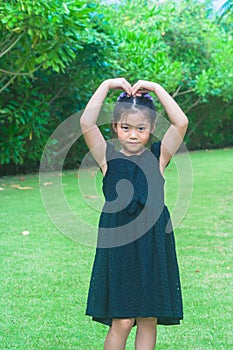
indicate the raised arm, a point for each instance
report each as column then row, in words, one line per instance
column 179, row 122
column 174, row 136
column 88, row 121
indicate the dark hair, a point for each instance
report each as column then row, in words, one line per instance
column 129, row 104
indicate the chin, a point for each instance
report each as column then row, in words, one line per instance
column 134, row 149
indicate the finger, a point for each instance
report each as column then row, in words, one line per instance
column 127, row 87
column 144, row 91
column 139, row 91
column 136, row 87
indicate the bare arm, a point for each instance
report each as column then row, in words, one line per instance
column 175, row 134
column 88, row 121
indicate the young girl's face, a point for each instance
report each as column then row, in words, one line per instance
column 133, row 132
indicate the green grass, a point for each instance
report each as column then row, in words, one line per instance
column 45, row 275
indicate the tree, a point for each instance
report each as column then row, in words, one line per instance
column 40, row 35
column 44, row 48
column 55, row 53
column 225, row 9
column 180, row 45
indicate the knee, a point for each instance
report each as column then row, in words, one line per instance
column 149, row 322
column 123, row 325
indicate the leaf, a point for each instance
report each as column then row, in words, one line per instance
column 21, row 188
column 17, row 30
column 25, row 233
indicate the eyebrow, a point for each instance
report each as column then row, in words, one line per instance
column 135, row 125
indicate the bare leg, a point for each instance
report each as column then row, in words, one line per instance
column 118, row 333
column 146, row 333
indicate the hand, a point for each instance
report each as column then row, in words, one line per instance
column 142, row 86
column 119, row 84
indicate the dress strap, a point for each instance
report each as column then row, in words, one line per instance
column 109, row 150
column 155, row 149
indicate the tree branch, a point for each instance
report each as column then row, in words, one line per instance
column 185, row 92
column 193, row 105
column 176, row 92
column 56, row 95
column 17, row 73
column 12, row 45
column 4, row 77
column 7, row 84
column 8, row 39
column 15, row 76
column 198, row 123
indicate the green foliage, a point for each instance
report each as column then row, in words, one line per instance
column 211, row 127
column 41, row 34
column 142, row 51
column 41, row 80
column 55, row 53
column 177, row 43
column 181, row 45
column 225, row 11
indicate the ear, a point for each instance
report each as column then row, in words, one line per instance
column 153, row 127
column 114, row 126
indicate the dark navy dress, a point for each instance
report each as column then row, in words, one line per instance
column 135, row 271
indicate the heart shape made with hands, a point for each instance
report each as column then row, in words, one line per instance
column 139, row 88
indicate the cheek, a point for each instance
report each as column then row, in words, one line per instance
column 120, row 134
column 146, row 133
column 145, row 137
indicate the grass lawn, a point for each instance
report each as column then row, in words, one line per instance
column 45, row 275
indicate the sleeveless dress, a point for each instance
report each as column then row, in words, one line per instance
column 135, row 271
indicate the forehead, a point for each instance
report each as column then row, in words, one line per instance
column 136, row 118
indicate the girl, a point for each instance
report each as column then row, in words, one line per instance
column 135, row 277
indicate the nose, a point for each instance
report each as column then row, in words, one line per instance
column 133, row 134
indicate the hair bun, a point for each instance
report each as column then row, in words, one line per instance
column 148, row 96
column 122, row 95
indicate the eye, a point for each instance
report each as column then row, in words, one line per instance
column 124, row 127
column 141, row 128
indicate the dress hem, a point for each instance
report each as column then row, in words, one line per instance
column 161, row 320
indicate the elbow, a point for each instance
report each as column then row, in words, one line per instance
column 83, row 122
column 182, row 124
column 85, row 125
column 185, row 122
